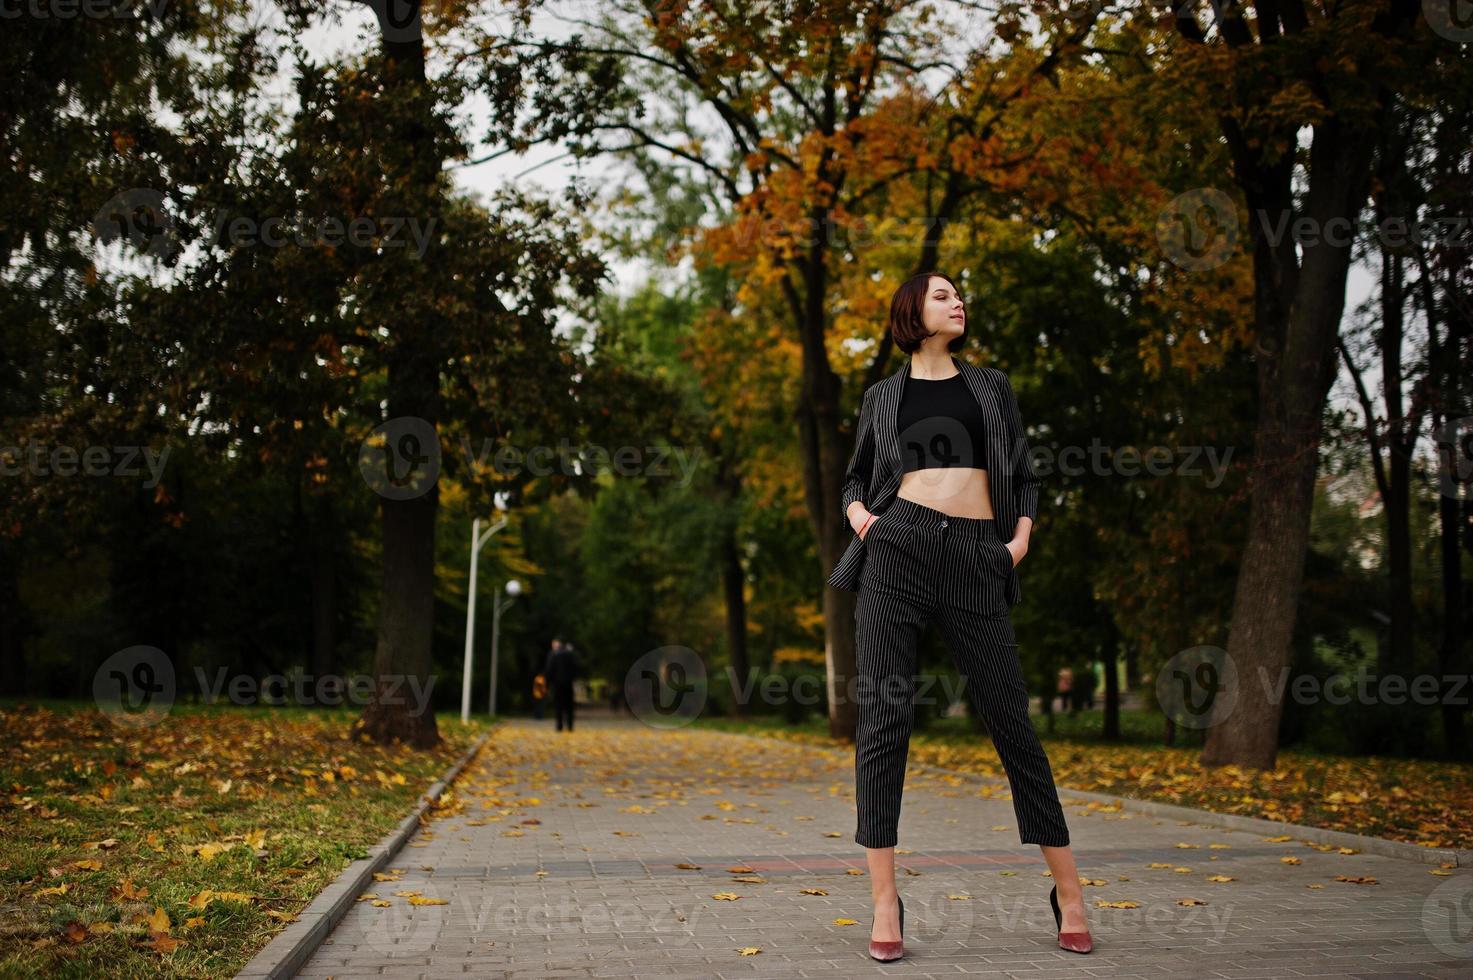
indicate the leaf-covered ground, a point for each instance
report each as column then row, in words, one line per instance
column 179, row 849
column 1426, row 803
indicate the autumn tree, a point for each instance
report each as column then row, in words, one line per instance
column 1417, row 334
column 82, row 120
column 1279, row 71
column 291, row 350
column 1131, row 366
column 822, row 113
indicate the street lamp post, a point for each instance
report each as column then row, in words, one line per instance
column 477, row 540
column 513, row 589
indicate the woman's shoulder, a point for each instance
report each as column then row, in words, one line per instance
column 998, row 377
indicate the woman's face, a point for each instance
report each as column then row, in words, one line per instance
column 943, row 314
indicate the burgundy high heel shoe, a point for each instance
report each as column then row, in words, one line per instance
column 1078, row 942
column 886, row 950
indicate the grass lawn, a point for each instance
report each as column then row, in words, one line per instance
column 180, row 849
column 1423, row 802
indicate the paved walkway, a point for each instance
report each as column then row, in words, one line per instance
column 565, row 861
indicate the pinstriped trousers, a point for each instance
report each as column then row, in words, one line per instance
column 922, row 566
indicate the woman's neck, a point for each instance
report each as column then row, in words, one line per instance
column 932, row 364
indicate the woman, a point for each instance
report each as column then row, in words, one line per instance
column 941, row 495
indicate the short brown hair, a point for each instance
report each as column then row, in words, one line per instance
column 905, row 314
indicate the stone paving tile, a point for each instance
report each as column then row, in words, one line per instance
column 562, row 862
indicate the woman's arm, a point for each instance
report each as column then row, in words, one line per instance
column 1025, row 478
column 856, row 478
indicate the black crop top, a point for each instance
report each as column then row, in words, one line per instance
column 941, row 425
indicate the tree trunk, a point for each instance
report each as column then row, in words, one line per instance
column 1455, row 629
column 1109, row 655
column 324, row 574
column 13, row 620
column 405, row 625
column 1397, row 654
column 1297, row 319
column 1266, row 599
column 1395, row 200
column 825, row 459
column 1455, row 515
column 401, row 706
column 734, row 581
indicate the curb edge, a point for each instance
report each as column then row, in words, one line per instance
column 289, row 950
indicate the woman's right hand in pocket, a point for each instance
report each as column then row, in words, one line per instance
column 866, row 525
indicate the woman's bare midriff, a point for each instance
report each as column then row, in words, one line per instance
column 957, row 491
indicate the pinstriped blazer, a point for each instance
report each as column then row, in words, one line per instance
column 875, row 468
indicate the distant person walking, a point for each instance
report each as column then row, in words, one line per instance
column 1065, row 689
column 560, row 670
column 539, row 691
